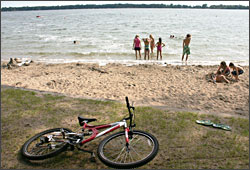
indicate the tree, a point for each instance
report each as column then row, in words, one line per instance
column 204, row 6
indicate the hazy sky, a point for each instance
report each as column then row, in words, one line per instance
column 55, row 3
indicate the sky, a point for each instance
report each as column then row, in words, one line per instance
column 56, row 3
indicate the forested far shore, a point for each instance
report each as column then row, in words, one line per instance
column 204, row 6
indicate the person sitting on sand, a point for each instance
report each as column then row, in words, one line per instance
column 11, row 63
column 237, row 70
column 137, row 46
column 152, row 43
column 219, row 77
column 18, row 62
column 225, row 69
column 146, row 49
column 186, row 48
column 159, row 46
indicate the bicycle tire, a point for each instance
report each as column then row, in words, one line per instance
column 150, row 141
column 25, row 148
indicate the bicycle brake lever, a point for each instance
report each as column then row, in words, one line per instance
column 132, row 107
column 133, row 104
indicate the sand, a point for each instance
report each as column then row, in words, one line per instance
column 183, row 88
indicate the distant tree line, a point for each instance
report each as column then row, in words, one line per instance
column 204, row 6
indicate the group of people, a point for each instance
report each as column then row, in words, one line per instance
column 149, row 44
column 18, row 62
column 224, row 71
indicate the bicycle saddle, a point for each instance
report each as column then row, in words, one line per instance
column 81, row 119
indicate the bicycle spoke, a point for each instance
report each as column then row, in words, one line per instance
column 37, row 150
column 135, row 141
column 116, row 145
column 125, row 157
column 131, row 156
column 121, row 141
column 120, row 154
column 122, row 157
column 111, row 156
column 135, row 152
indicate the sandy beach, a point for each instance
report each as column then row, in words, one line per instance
column 184, row 88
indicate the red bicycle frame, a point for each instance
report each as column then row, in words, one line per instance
column 111, row 127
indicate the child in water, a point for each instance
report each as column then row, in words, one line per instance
column 237, row 70
column 186, row 48
column 159, row 46
column 137, row 46
column 146, row 49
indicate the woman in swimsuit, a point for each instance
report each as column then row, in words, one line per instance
column 237, row 70
column 152, row 44
column 146, row 50
column 159, row 46
column 225, row 69
column 137, row 46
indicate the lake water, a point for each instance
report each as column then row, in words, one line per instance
column 106, row 35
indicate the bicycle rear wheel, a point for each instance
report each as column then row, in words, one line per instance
column 45, row 144
column 142, row 148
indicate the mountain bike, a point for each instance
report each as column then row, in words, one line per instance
column 126, row 149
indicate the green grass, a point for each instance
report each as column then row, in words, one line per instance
column 183, row 143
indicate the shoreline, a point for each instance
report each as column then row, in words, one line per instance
column 134, row 62
column 180, row 86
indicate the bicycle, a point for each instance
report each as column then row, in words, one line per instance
column 125, row 149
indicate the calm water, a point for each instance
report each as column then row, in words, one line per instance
column 106, row 35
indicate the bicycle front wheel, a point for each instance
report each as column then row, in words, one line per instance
column 45, row 144
column 114, row 152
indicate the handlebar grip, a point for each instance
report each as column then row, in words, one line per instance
column 127, row 101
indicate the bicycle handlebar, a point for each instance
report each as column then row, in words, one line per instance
column 128, row 106
column 130, row 114
column 127, row 101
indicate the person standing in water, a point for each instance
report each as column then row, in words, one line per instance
column 152, row 44
column 137, row 46
column 186, row 48
column 159, row 46
column 146, row 49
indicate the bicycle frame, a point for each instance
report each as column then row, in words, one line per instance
column 111, row 127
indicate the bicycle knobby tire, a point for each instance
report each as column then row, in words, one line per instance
column 143, row 147
column 28, row 155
